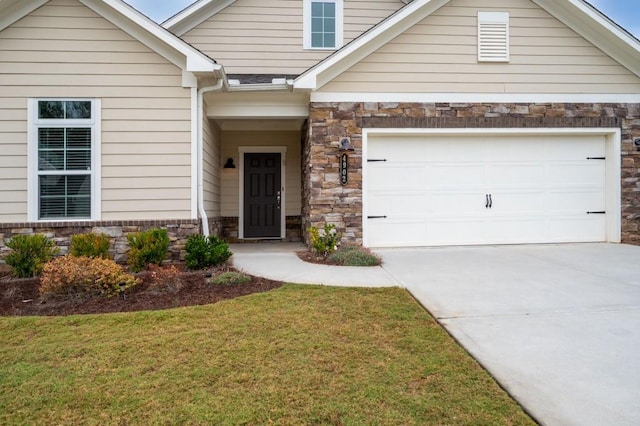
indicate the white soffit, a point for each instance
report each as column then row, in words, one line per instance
column 14, row 10
column 152, row 35
column 194, row 15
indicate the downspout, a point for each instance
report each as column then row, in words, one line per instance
column 203, row 214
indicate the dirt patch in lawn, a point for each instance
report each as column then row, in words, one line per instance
column 20, row 297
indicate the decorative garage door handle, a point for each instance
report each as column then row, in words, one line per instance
column 489, row 201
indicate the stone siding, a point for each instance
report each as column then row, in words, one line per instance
column 61, row 232
column 325, row 200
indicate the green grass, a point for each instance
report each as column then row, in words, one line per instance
column 297, row 355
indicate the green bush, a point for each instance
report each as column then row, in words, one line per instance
column 326, row 241
column 203, row 252
column 76, row 276
column 29, row 254
column 147, row 247
column 232, row 278
column 89, row 245
column 354, row 256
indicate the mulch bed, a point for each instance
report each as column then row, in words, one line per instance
column 310, row 257
column 20, row 296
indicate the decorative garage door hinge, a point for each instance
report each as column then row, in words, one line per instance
column 376, row 217
column 376, row 160
column 598, row 212
column 596, row 158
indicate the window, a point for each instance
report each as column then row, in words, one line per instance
column 493, row 37
column 63, row 159
column 323, row 21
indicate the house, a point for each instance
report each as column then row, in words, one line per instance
column 404, row 123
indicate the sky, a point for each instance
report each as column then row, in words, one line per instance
column 625, row 13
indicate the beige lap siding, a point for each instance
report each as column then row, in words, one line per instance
column 232, row 140
column 265, row 36
column 211, row 166
column 439, row 54
column 65, row 50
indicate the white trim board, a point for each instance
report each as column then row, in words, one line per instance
column 494, row 98
column 282, row 150
column 613, row 170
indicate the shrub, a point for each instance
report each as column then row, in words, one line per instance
column 29, row 254
column 232, row 278
column 203, row 252
column 89, row 245
column 354, row 256
column 77, row 276
column 162, row 280
column 147, row 247
column 324, row 241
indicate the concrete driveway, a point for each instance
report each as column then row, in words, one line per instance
column 557, row 325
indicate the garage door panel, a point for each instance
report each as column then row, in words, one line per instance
column 586, row 172
column 395, row 203
column 434, row 189
column 389, row 176
column 464, row 203
column 450, row 175
column 514, row 174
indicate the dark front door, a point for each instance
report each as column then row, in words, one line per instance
column 262, row 195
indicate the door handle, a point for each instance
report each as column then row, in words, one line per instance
column 486, row 198
column 279, row 198
column 490, row 202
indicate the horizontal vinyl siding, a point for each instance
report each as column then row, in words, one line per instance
column 211, row 166
column 265, row 36
column 439, row 54
column 65, row 50
column 232, row 140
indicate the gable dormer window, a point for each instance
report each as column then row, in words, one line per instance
column 323, row 21
column 493, row 37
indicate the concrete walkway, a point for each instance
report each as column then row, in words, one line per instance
column 278, row 261
column 557, row 325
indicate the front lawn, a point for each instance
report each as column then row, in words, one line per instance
column 296, row 355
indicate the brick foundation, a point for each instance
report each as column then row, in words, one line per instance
column 325, row 200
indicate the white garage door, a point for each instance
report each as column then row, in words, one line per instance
column 425, row 190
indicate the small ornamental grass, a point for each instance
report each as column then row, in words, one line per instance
column 354, row 256
column 89, row 245
column 147, row 247
column 29, row 253
column 232, row 278
column 71, row 276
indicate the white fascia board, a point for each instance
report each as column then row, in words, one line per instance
column 597, row 29
column 194, row 15
column 152, row 35
column 13, row 10
column 495, row 98
column 366, row 44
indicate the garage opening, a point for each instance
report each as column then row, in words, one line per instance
column 433, row 188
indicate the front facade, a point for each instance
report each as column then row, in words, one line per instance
column 484, row 122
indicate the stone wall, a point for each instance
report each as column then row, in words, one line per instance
column 61, row 232
column 230, row 229
column 325, row 200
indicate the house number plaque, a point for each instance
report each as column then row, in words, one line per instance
column 344, row 169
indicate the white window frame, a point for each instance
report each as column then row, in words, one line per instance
column 33, row 172
column 493, row 37
column 307, row 24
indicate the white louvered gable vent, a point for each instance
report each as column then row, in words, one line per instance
column 493, row 37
